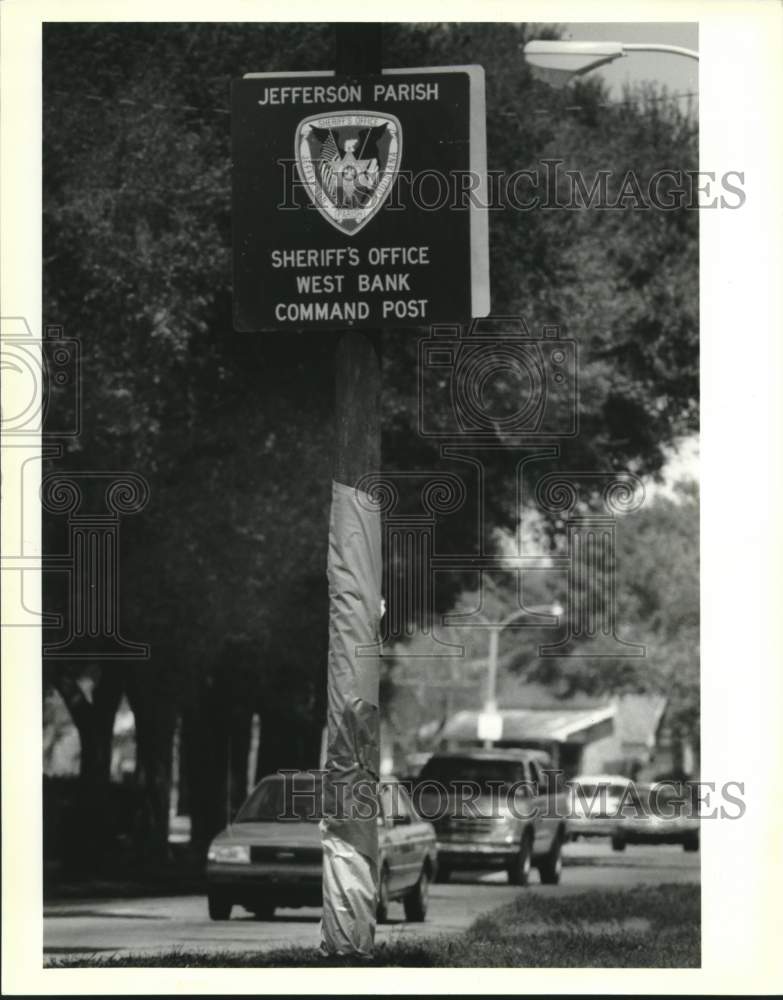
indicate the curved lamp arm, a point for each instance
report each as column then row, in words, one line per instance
column 556, row 61
column 676, row 50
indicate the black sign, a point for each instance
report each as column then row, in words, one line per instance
column 357, row 202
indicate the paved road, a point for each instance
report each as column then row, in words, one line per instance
column 166, row 923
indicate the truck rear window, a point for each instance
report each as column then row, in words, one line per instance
column 449, row 770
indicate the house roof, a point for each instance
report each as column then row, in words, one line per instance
column 601, row 779
column 560, row 724
column 511, row 753
column 638, row 718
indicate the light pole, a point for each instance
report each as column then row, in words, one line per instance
column 557, row 61
column 549, row 615
column 488, row 717
column 553, row 610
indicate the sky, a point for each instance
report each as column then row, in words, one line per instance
column 677, row 73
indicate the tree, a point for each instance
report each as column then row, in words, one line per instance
column 224, row 569
column 657, row 588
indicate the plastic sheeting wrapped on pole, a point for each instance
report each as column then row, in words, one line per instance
column 349, row 885
column 349, row 827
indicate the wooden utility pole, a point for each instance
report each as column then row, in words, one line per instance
column 358, row 48
column 358, row 377
column 347, row 150
column 350, row 843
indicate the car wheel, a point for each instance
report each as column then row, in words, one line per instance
column 618, row 843
column 382, row 911
column 443, row 873
column 691, row 843
column 219, row 906
column 551, row 868
column 519, row 867
column 264, row 911
column 418, row 898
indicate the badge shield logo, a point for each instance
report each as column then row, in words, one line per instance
column 348, row 162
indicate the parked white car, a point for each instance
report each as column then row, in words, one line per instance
column 594, row 802
column 270, row 855
column 668, row 816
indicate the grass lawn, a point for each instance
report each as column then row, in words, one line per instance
column 645, row 927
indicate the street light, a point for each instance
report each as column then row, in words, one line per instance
column 556, row 61
column 553, row 610
column 550, row 614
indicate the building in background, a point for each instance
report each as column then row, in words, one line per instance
column 619, row 734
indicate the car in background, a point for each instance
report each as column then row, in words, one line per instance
column 669, row 815
column 414, row 762
column 261, row 861
column 594, row 801
column 513, row 821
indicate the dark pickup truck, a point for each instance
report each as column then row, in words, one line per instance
column 494, row 809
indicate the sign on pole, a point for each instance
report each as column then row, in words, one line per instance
column 489, row 726
column 360, row 202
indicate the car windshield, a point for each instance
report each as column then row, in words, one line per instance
column 602, row 788
column 280, row 799
column 666, row 793
column 671, row 800
column 449, row 770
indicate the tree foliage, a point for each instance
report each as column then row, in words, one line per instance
column 223, row 573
